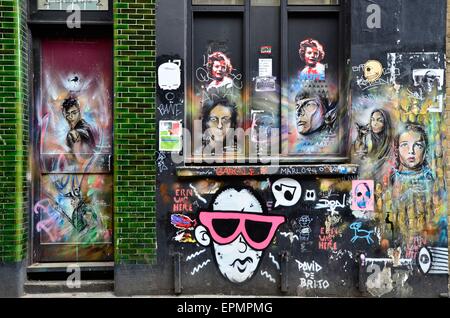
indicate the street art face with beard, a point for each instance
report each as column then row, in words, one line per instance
column 239, row 230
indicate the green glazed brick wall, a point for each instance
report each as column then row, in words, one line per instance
column 13, row 130
column 134, row 132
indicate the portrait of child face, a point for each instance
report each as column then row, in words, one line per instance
column 219, row 70
column 311, row 56
column 412, row 149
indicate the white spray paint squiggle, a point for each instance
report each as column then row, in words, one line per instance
column 195, row 255
column 197, row 194
column 266, row 274
column 199, row 267
column 290, row 236
column 274, row 261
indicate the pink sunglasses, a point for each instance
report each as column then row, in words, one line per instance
column 257, row 229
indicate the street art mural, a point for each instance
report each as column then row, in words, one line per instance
column 218, row 110
column 398, row 142
column 408, row 154
column 75, row 210
column 74, row 111
column 73, row 202
column 217, row 103
column 375, row 226
column 311, row 115
column 239, row 231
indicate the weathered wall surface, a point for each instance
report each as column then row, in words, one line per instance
column 380, row 231
column 297, row 231
column 447, row 109
column 410, row 183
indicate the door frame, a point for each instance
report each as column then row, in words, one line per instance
column 39, row 31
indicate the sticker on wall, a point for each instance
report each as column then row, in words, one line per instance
column 422, row 74
column 363, row 195
column 266, row 50
column 262, row 124
column 312, row 53
column 303, row 227
column 184, row 224
column 170, row 135
column 430, row 82
column 265, row 67
column 265, row 84
column 169, row 75
column 373, row 70
column 287, row 192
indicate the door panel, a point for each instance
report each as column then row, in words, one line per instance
column 218, row 63
column 73, row 213
column 312, row 120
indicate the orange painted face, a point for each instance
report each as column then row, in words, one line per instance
column 219, row 70
column 311, row 56
column 411, row 150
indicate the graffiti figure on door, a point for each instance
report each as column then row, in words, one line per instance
column 83, row 216
column 80, row 137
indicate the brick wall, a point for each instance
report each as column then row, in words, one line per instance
column 134, row 131
column 13, row 131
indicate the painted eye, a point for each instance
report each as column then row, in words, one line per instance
column 225, row 227
column 258, row 231
column 359, row 194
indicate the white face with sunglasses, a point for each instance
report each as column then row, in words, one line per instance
column 239, row 233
